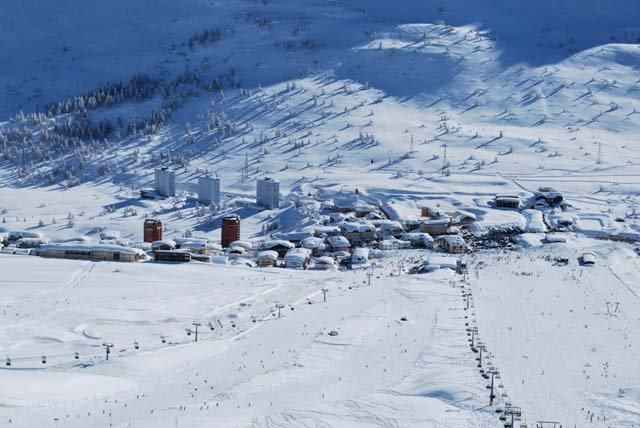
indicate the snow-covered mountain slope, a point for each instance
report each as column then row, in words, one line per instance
column 518, row 88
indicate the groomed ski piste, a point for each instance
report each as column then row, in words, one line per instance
column 400, row 105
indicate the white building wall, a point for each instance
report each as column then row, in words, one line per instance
column 165, row 182
column 268, row 193
column 209, row 190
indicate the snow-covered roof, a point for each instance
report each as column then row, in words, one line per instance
column 388, row 225
column 220, row 260
column 110, row 234
column 296, row 236
column 163, row 243
column 313, row 242
column 555, row 237
column 325, row 260
column 33, row 240
column 326, row 229
column 437, row 222
column 297, row 254
column 92, row 247
column 17, row 234
column 195, row 244
column 361, row 253
column 511, row 198
column 268, row 254
column 443, row 261
column 589, row 258
column 417, row 237
column 362, row 226
column 277, row 243
column 452, row 239
column 241, row 243
column 464, row 214
column 338, row 241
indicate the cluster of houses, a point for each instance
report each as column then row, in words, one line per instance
column 348, row 232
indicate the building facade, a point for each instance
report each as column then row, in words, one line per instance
column 152, row 230
column 230, row 230
column 268, row 193
column 165, row 182
column 209, row 190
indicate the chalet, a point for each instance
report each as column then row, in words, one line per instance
column 163, row 245
column 431, row 212
column 92, row 252
column 391, row 228
column 454, row 244
column 360, row 256
column 338, row 243
column 548, row 195
column 195, row 245
column 463, row 218
column 172, row 256
column 412, row 225
column 203, row 258
column 324, row 263
column 278, row 245
column 507, row 201
column 374, row 216
column 394, row 244
column 344, row 205
column 244, row 245
column 16, row 235
column 31, row 242
column 295, row 237
column 588, row 259
column 316, row 245
column 363, row 209
column 297, row 258
column 268, row 258
column 418, row 240
column 328, row 205
column 359, row 233
column 323, row 231
column 436, row 227
column 220, row 260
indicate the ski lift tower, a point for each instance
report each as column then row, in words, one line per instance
column 107, row 347
column 514, row 412
column 279, row 306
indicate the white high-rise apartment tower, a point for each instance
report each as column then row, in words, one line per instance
column 165, row 182
column 268, row 193
column 209, row 190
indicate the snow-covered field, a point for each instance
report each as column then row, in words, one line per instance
column 253, row 368
column 413, row 103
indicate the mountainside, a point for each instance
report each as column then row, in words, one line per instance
column 517, row 87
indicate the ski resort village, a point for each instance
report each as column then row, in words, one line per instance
column 320, row 213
